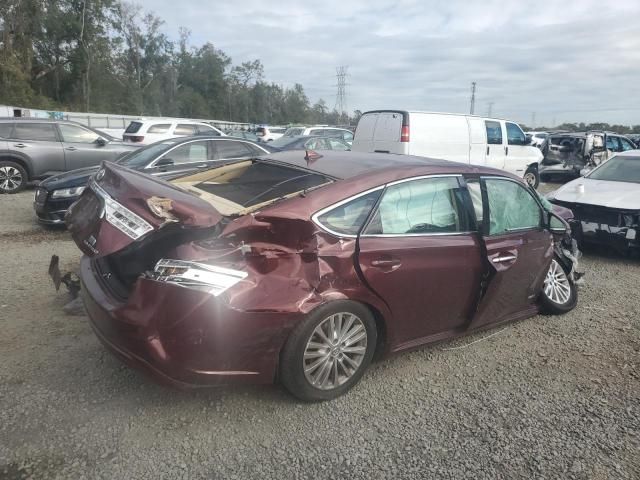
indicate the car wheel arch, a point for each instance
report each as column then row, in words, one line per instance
column 20, row 161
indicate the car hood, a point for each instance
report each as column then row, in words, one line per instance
column 604, row 193
column 72, row 178
column 132, row 197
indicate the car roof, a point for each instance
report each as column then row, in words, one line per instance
column 347, row 164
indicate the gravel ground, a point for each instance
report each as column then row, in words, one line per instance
column 548, row 397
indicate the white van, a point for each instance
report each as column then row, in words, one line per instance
column 461, row 138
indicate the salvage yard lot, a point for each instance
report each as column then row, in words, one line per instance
column 548, row 397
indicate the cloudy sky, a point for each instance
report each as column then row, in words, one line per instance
column 558, row 60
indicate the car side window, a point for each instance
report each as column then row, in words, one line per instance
column 336, row 144
column 494, row 132
column 231, row 149
column 421, row 206
column 626, row 145
column 515, row 136
column 208, row 129
column 612, row 144
column 348, row 218
column 185, row 129
column 511, row 207
column 75, row 134
column 316, row 144
column 317, row 131
column 43, row 132
column 188, row 153
column 473, row 186
column 159, row 128
column 348, row 136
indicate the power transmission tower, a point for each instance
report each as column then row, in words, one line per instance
column 341, row 96
column 473, row 97
column 490, row 109
column 533, row 119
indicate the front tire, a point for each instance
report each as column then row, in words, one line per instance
column 329, row 351
column 559, row 295
column 532, row 177
column 13, row 177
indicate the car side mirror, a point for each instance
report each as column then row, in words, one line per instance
column 101, row 141
column 163, row 162
column 557, row 225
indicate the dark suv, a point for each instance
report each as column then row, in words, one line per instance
column 32, row 149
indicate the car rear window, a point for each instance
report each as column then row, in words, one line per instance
column 159, row 128
column 133, row 127
column 262, row 182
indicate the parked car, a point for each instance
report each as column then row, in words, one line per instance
column 606, row 202
column 536, row 139
column 568, row 155
column 321, row 130
column 269, row 134
column 242, row 134
column 303, row 142
column 146, row 131
column 279, row 267
column 32, row 149
column 462, row 138
column 164, row 159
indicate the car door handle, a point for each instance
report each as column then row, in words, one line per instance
column 506, row 150
column 487, row 150
column 504, row 258
column 386, row 263
column 71, row 149
column 19, row 145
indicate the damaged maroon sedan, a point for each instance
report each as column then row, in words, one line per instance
column 302, row 269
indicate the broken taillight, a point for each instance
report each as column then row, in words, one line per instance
column 404, row 133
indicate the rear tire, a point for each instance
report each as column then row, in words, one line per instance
column 559, row 295
column 13, row 177
column 329, row 351
column 532, row 177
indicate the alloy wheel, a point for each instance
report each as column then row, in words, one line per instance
column 335, row 351
column 556, row 284
column 10, row 178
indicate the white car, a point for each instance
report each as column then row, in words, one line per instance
column 321, row 130
column 268, row 134
column 537, row 138
column 606, row 202
column 490, row 142
column 145, row 132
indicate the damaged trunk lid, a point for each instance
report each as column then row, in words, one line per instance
column 122, row 206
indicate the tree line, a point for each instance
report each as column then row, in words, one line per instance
column 111, row 56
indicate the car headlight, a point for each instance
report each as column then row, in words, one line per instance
column 67, row 192
column 199, row 276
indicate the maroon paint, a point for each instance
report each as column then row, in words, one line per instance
column 187, row 337
column 431, row 283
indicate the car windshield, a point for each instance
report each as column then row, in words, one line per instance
column 144, row 156
column 618, row 169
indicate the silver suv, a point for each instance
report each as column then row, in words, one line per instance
column 32, row 149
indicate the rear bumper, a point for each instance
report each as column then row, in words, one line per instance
column 181, row 337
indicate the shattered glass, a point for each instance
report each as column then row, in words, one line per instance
column 511, row 207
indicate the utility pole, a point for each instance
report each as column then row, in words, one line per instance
column 473, row 97
column 341, row 96
column 533, row 119
column 490, row 109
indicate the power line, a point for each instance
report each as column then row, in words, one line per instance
column 341, row 96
